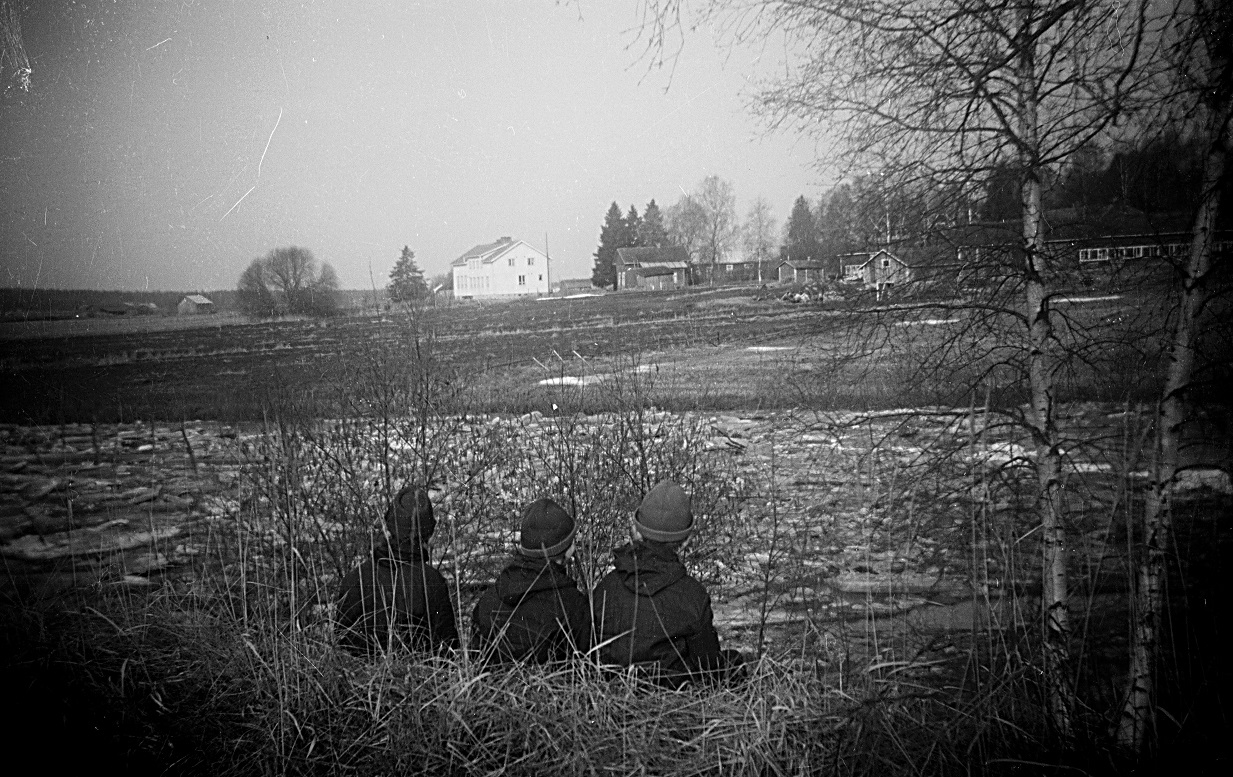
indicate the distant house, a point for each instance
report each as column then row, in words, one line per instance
column 573, row 286
column 505, row 268
column 877, row 269
column 194, row 304
column 663, row 267
column 733, row 271
column 801, row 271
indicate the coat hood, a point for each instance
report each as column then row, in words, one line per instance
column 528, row 575
column 647, row 568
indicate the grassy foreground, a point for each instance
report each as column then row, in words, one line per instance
column 233, row 669
column 180, row 684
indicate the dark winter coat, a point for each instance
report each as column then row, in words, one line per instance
column 395, row 599
column 656, row 615
column 534, row 612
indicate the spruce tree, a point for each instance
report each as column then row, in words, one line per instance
column 633, row 229
column 406, row 279
column 611, row 237
column 651, row 232
column 802, row 235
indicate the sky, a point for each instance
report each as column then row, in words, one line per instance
column 164, row 145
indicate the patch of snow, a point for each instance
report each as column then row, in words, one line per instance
column 580, row 295
column 768, row 348
column 571, row 380
column 929, row 322
column 1092, row 466
column 1106, row 298
column 1193, row 479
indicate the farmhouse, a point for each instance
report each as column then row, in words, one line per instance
column 194, row 304
column 876, row 270
column 801, row 271
column 502, row 269
column 663, row 267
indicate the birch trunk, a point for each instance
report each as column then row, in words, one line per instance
column 1055, row 604
column 1136, row 726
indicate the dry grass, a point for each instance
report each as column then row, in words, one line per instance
column 236, row 670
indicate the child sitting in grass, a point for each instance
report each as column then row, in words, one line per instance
column 534, row 611
column 397, row 598
column 649, row 613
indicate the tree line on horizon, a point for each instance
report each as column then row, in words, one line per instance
column 1158, row 176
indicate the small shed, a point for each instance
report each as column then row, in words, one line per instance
column 194, row 304
column 573, row 286
column 876, row 270
column 803, row 271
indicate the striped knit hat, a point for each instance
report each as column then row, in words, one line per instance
column 665, row 514
column 547, row 530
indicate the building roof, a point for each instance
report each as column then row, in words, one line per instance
column 198, row 299
column 486, row 252
column 656, row 255
column 868, row 257
column 802, row 265
column 663, row 266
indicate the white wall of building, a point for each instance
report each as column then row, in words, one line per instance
column 517, row 270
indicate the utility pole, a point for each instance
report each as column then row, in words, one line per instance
column 547, row 264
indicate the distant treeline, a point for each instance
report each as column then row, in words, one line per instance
column 64, row 303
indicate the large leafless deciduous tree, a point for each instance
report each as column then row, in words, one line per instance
column 686, row 226
column 938, row 93
column 717, row 204
column 287, row 280
column 1198, row 46
column 705, row 222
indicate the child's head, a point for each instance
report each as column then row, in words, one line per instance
column 665, row 515
column 547, row 531
column 409, row 519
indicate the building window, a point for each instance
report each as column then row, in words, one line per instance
column 886, row 262
column 522, row 280
column 473, row 264
column 541, row 277
column 511, row 261
column 530, row 261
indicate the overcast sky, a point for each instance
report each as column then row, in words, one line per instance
column 164, row 145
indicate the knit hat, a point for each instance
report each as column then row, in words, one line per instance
column 547, row 530
column 410, row 516
column 665, row 514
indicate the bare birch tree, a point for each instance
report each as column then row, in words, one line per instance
column 939, row 93
column 1199, row 49
column 686, row 225
column 717, row 207
column 758, row 233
